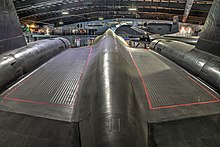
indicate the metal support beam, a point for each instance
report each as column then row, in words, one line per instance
column 188, row 8
column 53, row 8
column 30, row 3
column 50, row 10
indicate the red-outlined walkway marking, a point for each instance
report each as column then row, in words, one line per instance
column 203, row 87
column 37, row 103
column 80, row 79
column 177, row 105
column 142, row 80
column 6, row 97
column 185, row 105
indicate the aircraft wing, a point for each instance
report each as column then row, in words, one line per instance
column 108, row 94
column 38, row 110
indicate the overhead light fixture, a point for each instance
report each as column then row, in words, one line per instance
column 132, row 9
column 60, row 23
column 65, row 12
column 101, row 18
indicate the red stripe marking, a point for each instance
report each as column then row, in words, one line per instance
column 45, row 103
column 16, row 87
column 184, row 105
column 172, row 106
column 37, row 103
column 203, row 88
column 142, row 80
column 80, row 79
column 195, row 103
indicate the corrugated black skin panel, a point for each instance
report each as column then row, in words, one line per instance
column 11, row 36
column 210, row 37
column 23, row 130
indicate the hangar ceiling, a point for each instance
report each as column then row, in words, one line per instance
column 51, row 11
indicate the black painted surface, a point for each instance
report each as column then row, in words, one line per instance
column 17, row 130
column 114, row 109
column 209, row 40
column 111, row 114
column 127, row 97
column 11, row 36
column 128, row 30
column 51, row 90
column 15, row 63
column 191, row 132
column 167, row 85
column 194, row 125
column 198, row 62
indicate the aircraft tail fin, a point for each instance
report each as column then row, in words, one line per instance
column 209, row 40
column 11, row 36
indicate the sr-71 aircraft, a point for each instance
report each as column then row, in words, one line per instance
column 107, row 94
column 153, row 31
column 150, row 28
column 162, row 28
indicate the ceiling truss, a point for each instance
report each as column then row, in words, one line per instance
column 50, row 11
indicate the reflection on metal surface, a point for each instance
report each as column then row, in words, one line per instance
column 107, row 82
column 200, row 63
column 107, row 104
column 16, row 63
